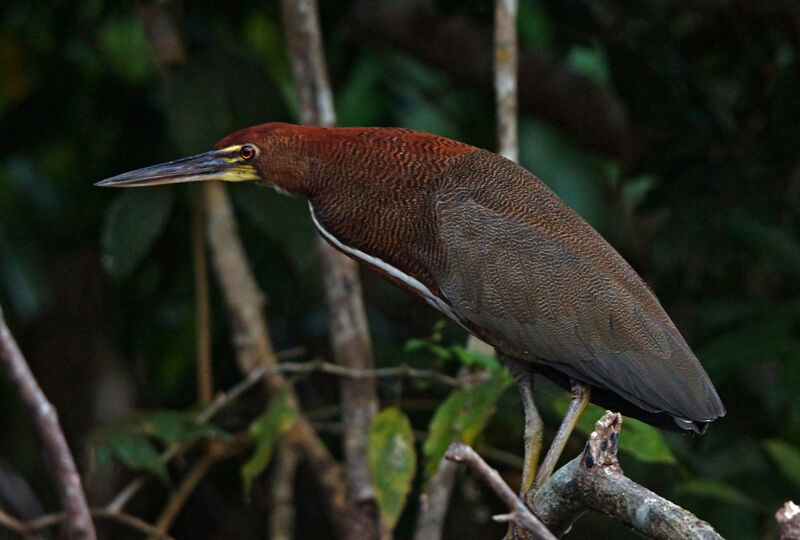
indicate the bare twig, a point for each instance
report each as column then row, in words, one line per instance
column 789, row 521
column 217, row 450
column 223, row 399
column 27, row 528
column 54, row 445
column 281, row 488
column 505, row 77
column 205, row 378
column 346, row 313
column 519, row 514
column 594, row 481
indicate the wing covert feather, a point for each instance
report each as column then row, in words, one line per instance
column 542, row 300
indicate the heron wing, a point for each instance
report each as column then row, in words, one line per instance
column 537, row 297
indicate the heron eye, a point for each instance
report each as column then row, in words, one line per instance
column 247, row 152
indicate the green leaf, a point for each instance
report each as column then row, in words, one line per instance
column 136, row 452
column 392, row 462
column 570, row 172
column 130, row 439
column 462, row 417
column 775, row 245
column 265, row 430
column 721, row 491
column 171, row 427
column 589, row 61
column 786, row 456
column 469, row 358
column 641, row 440
column 133, row 223
column 124, row 47
column 358, row 103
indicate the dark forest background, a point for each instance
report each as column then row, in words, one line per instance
column 673, row 127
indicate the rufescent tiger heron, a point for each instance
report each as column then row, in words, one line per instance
column 489, row 245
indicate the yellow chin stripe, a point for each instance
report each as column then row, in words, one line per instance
column 238, row 173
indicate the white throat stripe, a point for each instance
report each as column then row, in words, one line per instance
column 412, row 282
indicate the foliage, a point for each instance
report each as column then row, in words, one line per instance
column 131, row 441
column 265, row 430
column 392, row 462
column 640, row 440
column 701, row 196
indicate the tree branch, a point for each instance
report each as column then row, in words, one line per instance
column 505, row 77
column 789, row 521
column 281, row 491
column 582, row 109
column 24, row 528
column 216, row 451
column 519, row 514
column 346, row 314
column 594, row 481
column 54, row 445
column 205, row 376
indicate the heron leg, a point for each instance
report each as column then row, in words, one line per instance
column 580, row 398
column 523, row 377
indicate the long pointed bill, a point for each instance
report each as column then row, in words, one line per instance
column 224, row 164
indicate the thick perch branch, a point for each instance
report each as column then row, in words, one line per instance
column 789, row 521
column 54, row 445
column 346, row 314
column 519, row 514
column 594, row 481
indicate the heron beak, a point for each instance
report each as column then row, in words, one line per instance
column 224, row 164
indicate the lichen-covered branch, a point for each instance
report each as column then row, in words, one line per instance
column 505, row 77
column 788, row 517
column 594, row 481
column 346, row 314
column 434, row 502
column 54, row 445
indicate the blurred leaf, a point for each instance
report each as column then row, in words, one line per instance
column 462, row 417
column 769, row 337
column 535, row 27
column 130, row 439
column 423, row 96
column 571, row 173
column 640, row 440
column 133, row 223
column 720, row 491
column 22, row 279
column 787, row 457
column 264, row 37
column 357, row 103
column 265, row 430
column 634, row 191
column 271, row 213
column 125, row 49
column 589, row 61
column 469, row 358
column 777, row 246
column 136, row 452
column 171, row 427
column 392, row 462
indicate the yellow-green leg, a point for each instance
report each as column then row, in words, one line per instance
column 523, row 377
column 580, row 398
